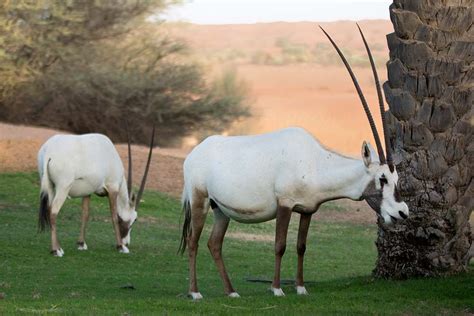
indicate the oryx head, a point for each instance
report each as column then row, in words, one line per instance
column 382, row 192
column 129, row 216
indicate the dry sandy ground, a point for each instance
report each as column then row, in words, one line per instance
column 321, row 99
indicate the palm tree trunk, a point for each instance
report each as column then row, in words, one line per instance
column 430, row 95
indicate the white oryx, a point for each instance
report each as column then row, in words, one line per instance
column 253, row 179
column 79, row 166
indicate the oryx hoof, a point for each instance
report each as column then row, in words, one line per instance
column 195, row 296
column 234, row 295
column 277, row 292
column 81, row 245
column 123, row 249
column 58, row 252
column 301, row 290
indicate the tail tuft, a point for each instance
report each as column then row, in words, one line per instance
column 186, row 227
column 44, row 219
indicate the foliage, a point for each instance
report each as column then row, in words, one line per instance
column 35, row 34
column 88, row 66
column 338, row 262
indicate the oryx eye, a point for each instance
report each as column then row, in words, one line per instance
column 383, row 180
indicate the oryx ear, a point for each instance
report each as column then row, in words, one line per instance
column 369, row 154
column 366, row 154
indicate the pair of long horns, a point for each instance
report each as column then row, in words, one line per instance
column 380, row 150
column 147, row 168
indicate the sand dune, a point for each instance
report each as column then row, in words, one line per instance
column 319, row 98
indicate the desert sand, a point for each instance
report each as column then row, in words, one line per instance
column 319, row 98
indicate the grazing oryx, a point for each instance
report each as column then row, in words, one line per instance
column 79, row 166
column 253, row 179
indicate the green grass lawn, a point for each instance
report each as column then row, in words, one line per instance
column 338, row 263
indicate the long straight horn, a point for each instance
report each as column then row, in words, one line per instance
column 147, row 168
column 362, row 99
column 388, row 149
column 129, row 177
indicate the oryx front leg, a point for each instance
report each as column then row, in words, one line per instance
column 305, row 220
column 115, row 221
column 221, row 222
column 199, row 210
column 81, row 243
column 282, row 221
column 58, row 202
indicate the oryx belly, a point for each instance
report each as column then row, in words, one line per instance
column 248, row 212
column 87, row 186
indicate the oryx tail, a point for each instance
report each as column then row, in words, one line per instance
column 46, row 195
column 187, row 223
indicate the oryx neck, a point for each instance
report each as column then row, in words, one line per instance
column 346, row 178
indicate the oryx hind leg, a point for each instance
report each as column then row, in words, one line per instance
column 199, row 209
column 221, row 222
column 58, row 201
column 81, row 243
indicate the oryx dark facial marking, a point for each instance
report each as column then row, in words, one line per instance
column 124, row 227
column 384, row 198
column 373, row 197
column 396, row 192
column 397, row 195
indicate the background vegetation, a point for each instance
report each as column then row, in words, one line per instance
column 287, row 51
column 291, row 52
column 153, row 279
column 90, row 65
